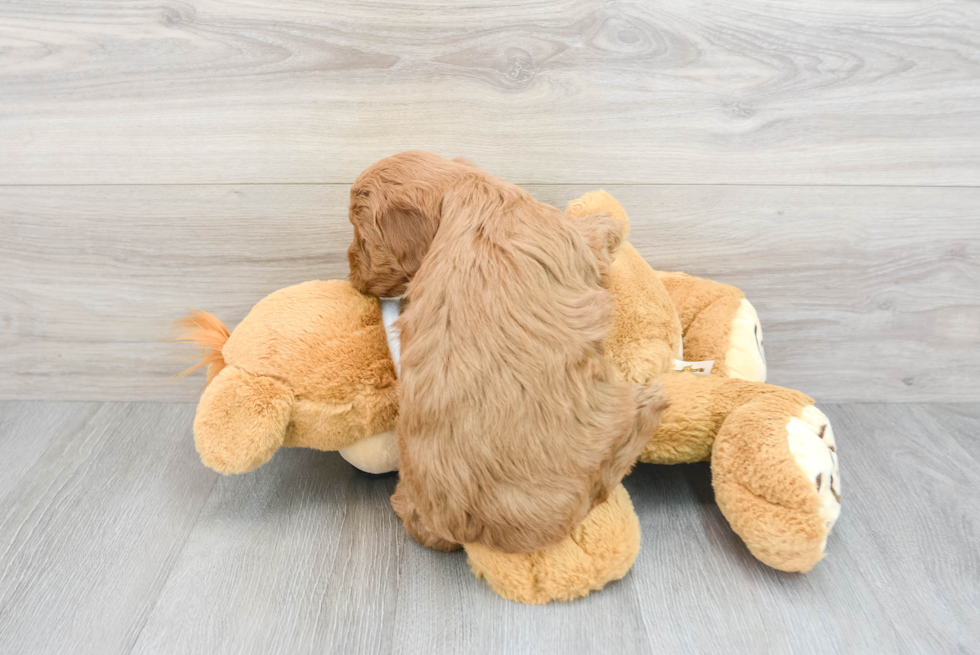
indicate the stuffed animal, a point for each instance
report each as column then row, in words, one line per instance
column 312, row 366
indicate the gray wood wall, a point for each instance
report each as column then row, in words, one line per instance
column 160, row 157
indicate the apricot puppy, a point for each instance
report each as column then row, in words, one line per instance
column 512, row 423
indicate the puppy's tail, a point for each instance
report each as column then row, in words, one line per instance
column 205, row 331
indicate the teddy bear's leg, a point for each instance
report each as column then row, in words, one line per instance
column 241, row 420
column 719, row 324
column 402, row 503
column 601, row 549
column 774, row 470
column 773, row 461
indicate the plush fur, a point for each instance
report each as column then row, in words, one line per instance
column 513, row 424
column 600, row 549
column 705, row 312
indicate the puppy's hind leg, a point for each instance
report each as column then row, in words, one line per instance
column 405, row 508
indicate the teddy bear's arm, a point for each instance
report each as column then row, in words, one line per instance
column 719, row 324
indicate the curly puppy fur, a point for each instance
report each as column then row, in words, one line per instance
column 512, row 423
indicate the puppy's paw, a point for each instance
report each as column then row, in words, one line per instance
column 601, row 549
column 402, row 503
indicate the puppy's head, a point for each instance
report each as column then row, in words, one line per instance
column 396, row 207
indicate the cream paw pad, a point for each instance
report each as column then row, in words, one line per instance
column 746, row 357
column 811, row 441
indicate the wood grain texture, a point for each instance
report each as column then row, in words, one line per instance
column 901, row 574
column 101, row 553
column 27, row 431
column 583, row 91
column 306, row 549
column 865, row 294
column 90, row 529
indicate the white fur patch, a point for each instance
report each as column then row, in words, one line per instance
column 390, row 309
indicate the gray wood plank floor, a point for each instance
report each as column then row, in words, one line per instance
column 115, row 539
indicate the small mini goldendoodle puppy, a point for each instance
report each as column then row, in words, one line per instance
column 512, row 423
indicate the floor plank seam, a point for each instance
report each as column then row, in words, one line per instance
column 173, row 566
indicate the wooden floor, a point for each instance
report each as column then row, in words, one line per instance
column 115, row 539
column 162, row 156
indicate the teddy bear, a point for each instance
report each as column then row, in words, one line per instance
column 315, row 365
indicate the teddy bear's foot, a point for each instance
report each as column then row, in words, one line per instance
column 774, row 469
column 375, row 454
column 601, row 549
column 811, row 440
column 719, row 325
column 745, row 358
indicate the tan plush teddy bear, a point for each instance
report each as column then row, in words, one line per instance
column 312, row 366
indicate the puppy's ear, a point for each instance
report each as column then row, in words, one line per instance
column 603, row 233
column 407, row 233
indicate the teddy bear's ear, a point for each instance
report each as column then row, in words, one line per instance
column 596, row 202
column 603, row 233
column 241, row 420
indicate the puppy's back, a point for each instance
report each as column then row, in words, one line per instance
column 512, row 423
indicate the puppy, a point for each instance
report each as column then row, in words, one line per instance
column 512, row 423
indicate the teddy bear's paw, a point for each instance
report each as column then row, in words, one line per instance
column 746, row 357
column 811, row 441
column 601, row 549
